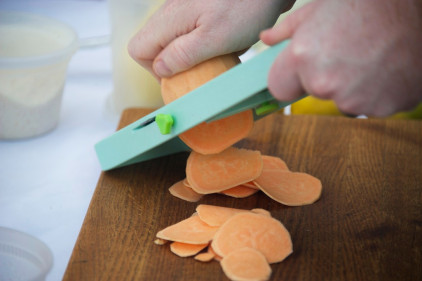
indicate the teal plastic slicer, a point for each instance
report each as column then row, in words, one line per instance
column 156, row 134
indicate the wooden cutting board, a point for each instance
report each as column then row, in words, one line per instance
column 366, row 226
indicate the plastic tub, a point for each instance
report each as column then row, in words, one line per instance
column 34, row 55
column 23, row 257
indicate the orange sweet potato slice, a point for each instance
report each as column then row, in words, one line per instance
column 229, row 130
column 261, row 232
column 185, row 182
column 261, row 212
column 240, row 191
column 180, row 190
column 245, row 244
column 216, row 257
column 182, row 83
column 204, row 257
column 159, row 241
column 217, row 172
column 185, row 249
column 251, row 184
column 202, row 138
column 246, row 264
column 216, row 215
column 191, row 230
column 290, row 188
column 273, row 162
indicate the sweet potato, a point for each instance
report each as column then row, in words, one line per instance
column 246, row 264
column 251, row 184
column 182, row 83
column 159, row 241
column 185, row 182
column 229, row 130
column 273, row 162
column 216, row 215
column 182, row 191
column 191, row 231
column 240, row 191
column 202, row 138
column 217, row 172
column 290, row 188
column 216, row 257
column 185, row 249
column 261, row 212
column 261, row 232
column 245, row 243
column 204, row 257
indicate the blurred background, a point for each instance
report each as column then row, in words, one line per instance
column 46, row 182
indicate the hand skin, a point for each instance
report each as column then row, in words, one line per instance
column 366, row 55
column 183, row 33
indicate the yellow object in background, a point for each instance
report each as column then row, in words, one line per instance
column 416, row 113
column 312, row 105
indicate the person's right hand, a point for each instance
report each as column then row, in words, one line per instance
column 364, row 55
column 183, row 33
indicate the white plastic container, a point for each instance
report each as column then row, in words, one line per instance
column 34, row 55
column 133, row 85
column 23, row 257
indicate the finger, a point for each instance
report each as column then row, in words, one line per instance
column 283, row 79
column 287, row 27
column 146, row 45
column 184, row 52
column 137, row 56
column 148, row 66
column 156, row 34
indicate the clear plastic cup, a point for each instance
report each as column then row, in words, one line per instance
column 23, row 257
column 34, row 55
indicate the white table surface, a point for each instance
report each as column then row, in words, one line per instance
column 46, row 183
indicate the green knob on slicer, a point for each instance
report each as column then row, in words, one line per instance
column 164, row 123
column 266, row 108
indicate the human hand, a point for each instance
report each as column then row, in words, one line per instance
column 364, row 55
column 183, row 33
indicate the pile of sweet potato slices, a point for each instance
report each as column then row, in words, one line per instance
column 245, row 242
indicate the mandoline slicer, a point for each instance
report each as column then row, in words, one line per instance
column 156, row 134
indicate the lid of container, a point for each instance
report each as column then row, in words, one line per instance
column 31, row 40
column 23, row 257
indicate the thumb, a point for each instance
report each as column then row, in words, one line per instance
column 287, row 27
column 183, row 53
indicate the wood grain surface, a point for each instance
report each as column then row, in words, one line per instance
column 366, row 226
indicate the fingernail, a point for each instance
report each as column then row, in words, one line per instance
column 161, row 69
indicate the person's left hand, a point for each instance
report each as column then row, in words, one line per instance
column 183, row 33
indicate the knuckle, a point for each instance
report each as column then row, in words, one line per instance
column 347, row 108
column 132, row 49
column 351, row 106
column 300, row 51
column 183, row 55
column 137, row 49
column 322, row 86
